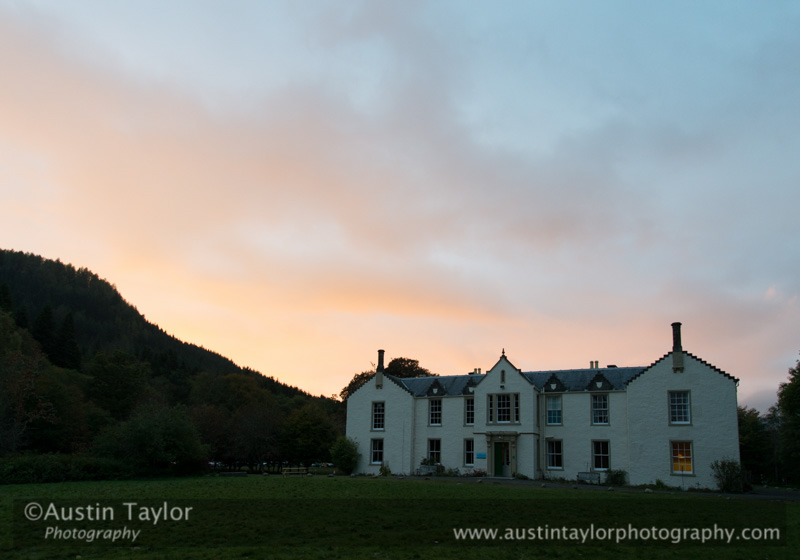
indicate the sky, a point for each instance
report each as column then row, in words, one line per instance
column 296, row 185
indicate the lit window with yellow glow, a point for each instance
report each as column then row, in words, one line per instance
column 682, row 457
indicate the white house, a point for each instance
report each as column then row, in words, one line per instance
column 667, row 421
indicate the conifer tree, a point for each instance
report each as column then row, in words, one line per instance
column 6, row 303
column 67, row 352
column 44, row 331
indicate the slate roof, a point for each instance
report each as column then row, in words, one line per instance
column 613, row 379
column 448, row 385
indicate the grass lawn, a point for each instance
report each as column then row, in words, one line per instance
column 342, row 517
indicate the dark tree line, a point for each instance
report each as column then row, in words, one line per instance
column 770, row 444
column 90, row 376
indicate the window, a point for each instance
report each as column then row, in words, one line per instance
column 469, row 411
column 435, row 412
column 469, row 451
column 499, row 408
column 435, row 451
column 378, row 412
column 681, row 457
column 599, row 409
column 554, row 458
column 554, row 410
column 504, row 408
column 679, row 412
column 600, row 455
column 376, row 452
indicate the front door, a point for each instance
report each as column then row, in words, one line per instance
column 502, row 459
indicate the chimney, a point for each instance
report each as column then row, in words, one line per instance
column 379, row 371
column 677, row 349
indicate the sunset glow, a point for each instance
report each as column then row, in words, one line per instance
column 295, row 185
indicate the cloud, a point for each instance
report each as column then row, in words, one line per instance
column 359, row 196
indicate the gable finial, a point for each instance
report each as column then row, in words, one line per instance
column 504, row 352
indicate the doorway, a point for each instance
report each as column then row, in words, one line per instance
column 502, row 458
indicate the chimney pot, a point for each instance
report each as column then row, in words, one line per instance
column 380, row 361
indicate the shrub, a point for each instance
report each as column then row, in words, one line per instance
column 616, row 477
column 345, row 455
column 24, row 469
column 385, row 470
column 729, row 476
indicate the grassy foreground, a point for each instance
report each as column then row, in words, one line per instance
column 322, row 517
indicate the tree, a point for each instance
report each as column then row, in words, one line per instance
column 156, row 438
column 66, row 352
column 789, row 408
column 118, row 381
column 21, row 402
column 358, row 380
column 398, row 367
column 44, row 330
column 406, row 367
column 755, row 449
column 345, row 455
column 307, row 435
column 6, row 303
column 256, row 433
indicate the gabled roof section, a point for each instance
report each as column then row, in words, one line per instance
column 685, row 353
column 613, row 379
column 447, row 385
column 599, row 383
column 504, row 358
column 554, row 385
column 469, row 387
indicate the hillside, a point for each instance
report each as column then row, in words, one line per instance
column 102, row 320
column 90, row 388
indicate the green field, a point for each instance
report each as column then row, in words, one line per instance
column 342, row 517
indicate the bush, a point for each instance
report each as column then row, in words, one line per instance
column 385, row 470
column 616, row 477
column 24, row 469
column 345, row 455
column 729, row 476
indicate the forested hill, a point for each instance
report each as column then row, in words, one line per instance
column 66, row 307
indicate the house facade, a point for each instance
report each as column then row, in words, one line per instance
column 667, row 421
